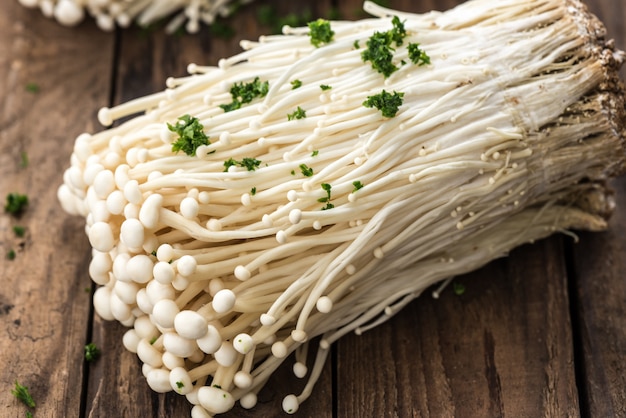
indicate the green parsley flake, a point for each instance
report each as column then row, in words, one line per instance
column 325, row 87
column 387, row 103
column 379, row 51
column 320, row 32
column 243, row 93
column 299, row 113
column 190, row 135
column 357, row 185
column 23, row 159
column 356, row 44
column 306, row 171
column 417, row 55
column 250, row 164
column 253, row 191
column 32, row 87
column 153, row 340
column 295, row 84
column 22, row 394
column 16, row 203
column 19, row 231
column 315, row 153
column 180, row 385
column 91, row 352
column 459, row 288
column 11, row 254
column 398, row 33
column 327, row 188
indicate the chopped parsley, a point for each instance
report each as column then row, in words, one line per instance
column 11, row 254
column 16, row 203
column 190, row 135
column 459, row 288
column 32, row 87
column 325, row 87
column 253, row 191
column 250, row 164
column 320, row 32
column 417, row 55
column 306, row 170
column 327, row 187
column 398, row 33
column 22, row 394
column 293, row 172
column 315, row 153
column 19, row 230
column 296, row 84
column 180, row 385
column 23, row 159
column 299, row 113
column 356, row 44
column 379, row 51
column 91, row 352
column 153, row 340
column 357, row 185
column 386, row 102
column 243, row 93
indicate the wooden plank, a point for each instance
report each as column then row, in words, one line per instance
column 116, row 386
column 503, row 348
column 44, row 309
column 600, row 290
column 599, row 263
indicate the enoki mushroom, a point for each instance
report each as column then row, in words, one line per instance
column 318, row 181
column 108, row 13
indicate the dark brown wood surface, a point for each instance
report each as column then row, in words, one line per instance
column 540, row 333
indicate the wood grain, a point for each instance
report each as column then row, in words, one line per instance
column 44, row 309
column 503, row 348
column 541, row 333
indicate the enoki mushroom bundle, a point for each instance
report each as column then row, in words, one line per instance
column 108, row 13
column 334, row 173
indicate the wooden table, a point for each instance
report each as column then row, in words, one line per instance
column 540, row 333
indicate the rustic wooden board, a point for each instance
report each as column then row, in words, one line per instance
column 503, row 348
column 507, row 347
column 44, row 308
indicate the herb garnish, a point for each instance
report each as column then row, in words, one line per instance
column 243, row 93
column 320, row 32
column 23, row 159
column 296, row 84
column 11, row 254
column 92, row 352
column 21, row 393
column 250, row 164
column 357, row 185
column 299, row 113
column 459, row 288
column 16, row 203
column 417, row 55
column 32, row 87
column 253, row 191
column 379, row 51
column 190, row 135
column 325, row 87
column 386, row 102
column 327, row 187
column 315, row 153
column 19, row 230
column 306, row 170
